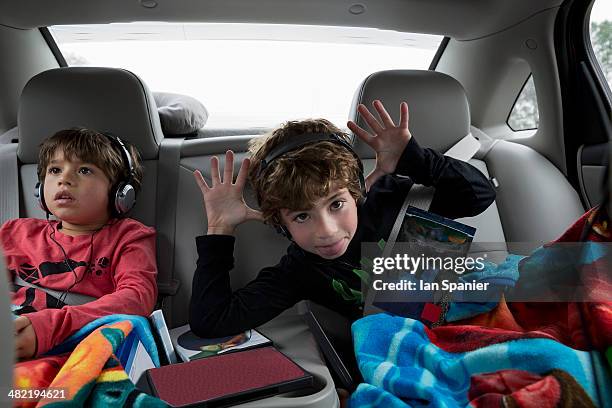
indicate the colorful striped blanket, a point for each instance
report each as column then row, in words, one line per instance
column 85, row 366
column 520, row 354
column 403, row 367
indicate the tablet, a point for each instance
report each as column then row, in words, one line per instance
column 329, row 352
column 228, row 379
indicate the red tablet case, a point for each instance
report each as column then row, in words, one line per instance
column 228, row 378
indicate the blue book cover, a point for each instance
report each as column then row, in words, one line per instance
column 428, row 236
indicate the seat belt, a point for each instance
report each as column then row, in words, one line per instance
column 9, row 183
column 167, row 187
column 69, row 298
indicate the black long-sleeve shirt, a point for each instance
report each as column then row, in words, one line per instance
column 461, row 191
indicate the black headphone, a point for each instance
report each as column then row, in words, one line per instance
column 300, row 141
column 122, row 195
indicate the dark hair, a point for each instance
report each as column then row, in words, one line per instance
column 92, row 147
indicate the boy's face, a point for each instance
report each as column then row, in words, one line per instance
column 76, row 192
column 327, row 228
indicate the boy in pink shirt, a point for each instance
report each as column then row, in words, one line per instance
column 88, row 182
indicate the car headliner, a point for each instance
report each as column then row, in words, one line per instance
column 460, row 19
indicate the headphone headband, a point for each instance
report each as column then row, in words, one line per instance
column 302, row 140
column 125, row 153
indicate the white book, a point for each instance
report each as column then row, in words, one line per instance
column 158, row 324
column 189, row 347
column 138, row 362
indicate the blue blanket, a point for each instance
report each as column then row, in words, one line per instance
column 403, row 368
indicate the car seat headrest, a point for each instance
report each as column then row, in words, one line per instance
column 105, row 99
column 437, row 103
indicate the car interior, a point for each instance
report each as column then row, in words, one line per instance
column 545, row 178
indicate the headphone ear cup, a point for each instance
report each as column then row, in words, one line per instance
column 39, row 193
column 124, row 198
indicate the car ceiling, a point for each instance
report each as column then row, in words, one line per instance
column 460, row 19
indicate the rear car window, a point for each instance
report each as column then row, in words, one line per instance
column 249, row 75
column 601, row 36
column 524, row 114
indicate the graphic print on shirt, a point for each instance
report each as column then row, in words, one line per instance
column 34, row 275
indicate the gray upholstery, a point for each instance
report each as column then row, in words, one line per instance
column 257, row 245
column 430, row 96
column 438, row 106
column 529, row 185
column 536, row 202
column 9, row 136
column 105, row 99
column 591, row 179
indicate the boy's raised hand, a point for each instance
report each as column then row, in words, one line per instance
column 223, row 200
column 388, row 140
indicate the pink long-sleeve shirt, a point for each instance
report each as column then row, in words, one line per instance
column 116, row 265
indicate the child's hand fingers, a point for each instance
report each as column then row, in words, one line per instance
column 214, row 171
column 362, row 134
column 404, row 115
column 358, row 130
column 228, row 168
column 201, row 181
column 242, row 173
column 384, row 115
column 370, row 119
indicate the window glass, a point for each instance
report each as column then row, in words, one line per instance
column 524, row 115
column 250, row 75
column 601, row 36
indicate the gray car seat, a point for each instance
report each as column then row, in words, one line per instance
column 527, row 184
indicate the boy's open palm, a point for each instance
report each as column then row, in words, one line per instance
column 223, row 200
column 388, row 140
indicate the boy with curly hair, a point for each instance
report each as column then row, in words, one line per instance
column 90, row 250
column 313, row 194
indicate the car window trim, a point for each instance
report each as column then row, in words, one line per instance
column 436, row 58
column 53, row 46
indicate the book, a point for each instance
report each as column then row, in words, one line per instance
column 135, row 355
column 162, row 337
column 436, row 245
column 190, row 347
column 138, row 359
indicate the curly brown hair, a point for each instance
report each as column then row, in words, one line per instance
column 93, row 147
column 299, row 178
